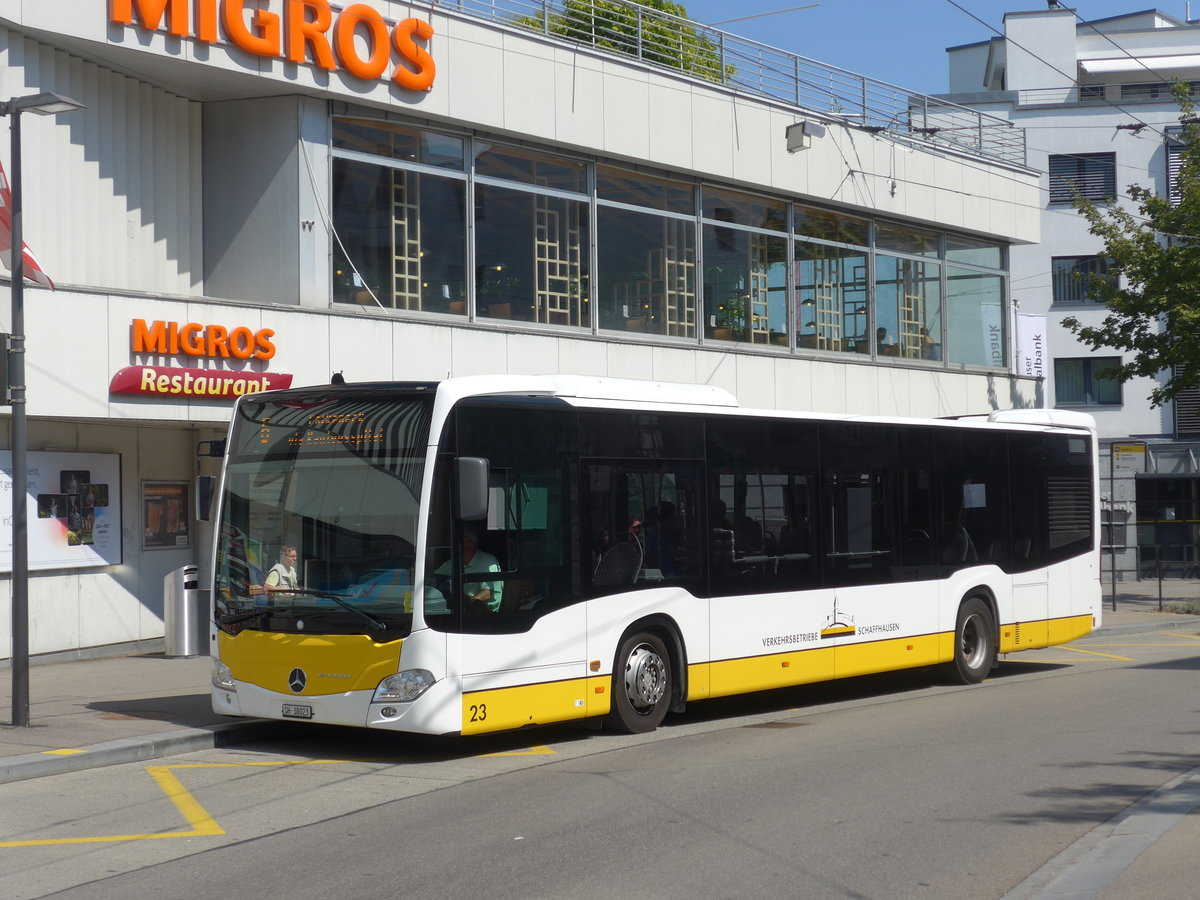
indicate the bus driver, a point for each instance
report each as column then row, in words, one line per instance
column 475, row 561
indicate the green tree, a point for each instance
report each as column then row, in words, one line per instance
column 1152, row 290
column 612, row 25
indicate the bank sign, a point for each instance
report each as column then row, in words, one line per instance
column 355, row 39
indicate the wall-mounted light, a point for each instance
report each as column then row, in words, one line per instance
column 801, row 134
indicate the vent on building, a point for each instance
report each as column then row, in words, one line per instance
column 1174, row 163
column 1187, row 412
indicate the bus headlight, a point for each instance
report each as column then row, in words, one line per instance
column 222, row 678
column 403, row 687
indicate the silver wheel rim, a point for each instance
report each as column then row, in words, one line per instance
column 974, row 642
column 645, row 678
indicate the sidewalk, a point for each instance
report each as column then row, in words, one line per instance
column 121, row 709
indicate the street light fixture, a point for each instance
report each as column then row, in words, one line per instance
column 46, row 104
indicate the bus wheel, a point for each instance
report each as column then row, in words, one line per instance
column 974, row 643
column 641, row 688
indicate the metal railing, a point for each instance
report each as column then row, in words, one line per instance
column 660, row 39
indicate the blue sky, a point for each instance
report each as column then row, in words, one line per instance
column 902, row 42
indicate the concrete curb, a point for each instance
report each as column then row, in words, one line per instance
column 1188, row 624
column 131, row 750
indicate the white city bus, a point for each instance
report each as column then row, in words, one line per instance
column 489, row 553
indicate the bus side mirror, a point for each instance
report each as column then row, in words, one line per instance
column 205, row 485
column 472, row 478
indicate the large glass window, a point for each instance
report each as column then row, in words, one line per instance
column 908, row 308
column 531, row 260
column 675, row 258
column 401, row 238
column 647, row 277
column 975, row 318
column 745, row 286
column 832, row 297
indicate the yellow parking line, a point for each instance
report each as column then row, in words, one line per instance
column 203, row 825
column 1094, row 653
column 539, row 750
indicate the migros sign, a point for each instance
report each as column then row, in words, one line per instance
column 306, row 31
column 197, row 341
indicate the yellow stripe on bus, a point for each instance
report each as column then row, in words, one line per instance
column 332, row 664
column 1046, row 633
column 534, row 704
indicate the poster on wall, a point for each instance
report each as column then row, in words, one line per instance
column 73, row 505
column 166, row 524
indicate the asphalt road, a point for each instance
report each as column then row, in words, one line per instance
column 883, row 787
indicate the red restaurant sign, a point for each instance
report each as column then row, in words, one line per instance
column 165, row 381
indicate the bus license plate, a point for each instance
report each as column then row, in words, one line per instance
column 297, row 711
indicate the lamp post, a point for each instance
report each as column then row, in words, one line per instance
column 44, row 105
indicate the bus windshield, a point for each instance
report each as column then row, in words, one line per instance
column 319, row 515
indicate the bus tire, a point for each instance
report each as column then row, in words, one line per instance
column 974, row 642
column 641, row 685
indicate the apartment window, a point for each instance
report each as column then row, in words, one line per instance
column 1091, row 176
column 1078, row 382
column 1070, row 274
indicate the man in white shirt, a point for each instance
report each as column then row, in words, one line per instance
column 475, row 561
column 282, row 576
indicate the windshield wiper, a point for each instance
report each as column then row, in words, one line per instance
column 336, row 598
column 234, row 618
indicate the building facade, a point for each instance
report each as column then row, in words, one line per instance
column 263, row 194
column 1094, row 99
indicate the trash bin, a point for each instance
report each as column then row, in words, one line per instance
column 184, row 618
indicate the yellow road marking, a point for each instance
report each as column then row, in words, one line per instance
column 540, row 750
column 202, row 824
column 63, row 752
column 1094, row 653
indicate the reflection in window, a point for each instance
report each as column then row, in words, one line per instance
column 744, row 209
column 402, row 238
column 908, row 317
column 745, row 286
column 975, row 318
column 529, row 167
column 642, row 190
column 530, row 255
column 830, row 226
column 973, row 252
column 831, row 294
column 1082, row 382
column 647, row 272
column 399, row 142
column 906, row 240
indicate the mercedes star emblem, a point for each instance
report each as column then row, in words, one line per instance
column 296, row 680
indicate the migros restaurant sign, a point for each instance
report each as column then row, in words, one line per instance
column 197, row 341
column 306, row 31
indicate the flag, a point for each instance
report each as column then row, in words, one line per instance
column 33, row 269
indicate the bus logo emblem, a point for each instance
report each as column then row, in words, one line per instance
column 296, row 680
